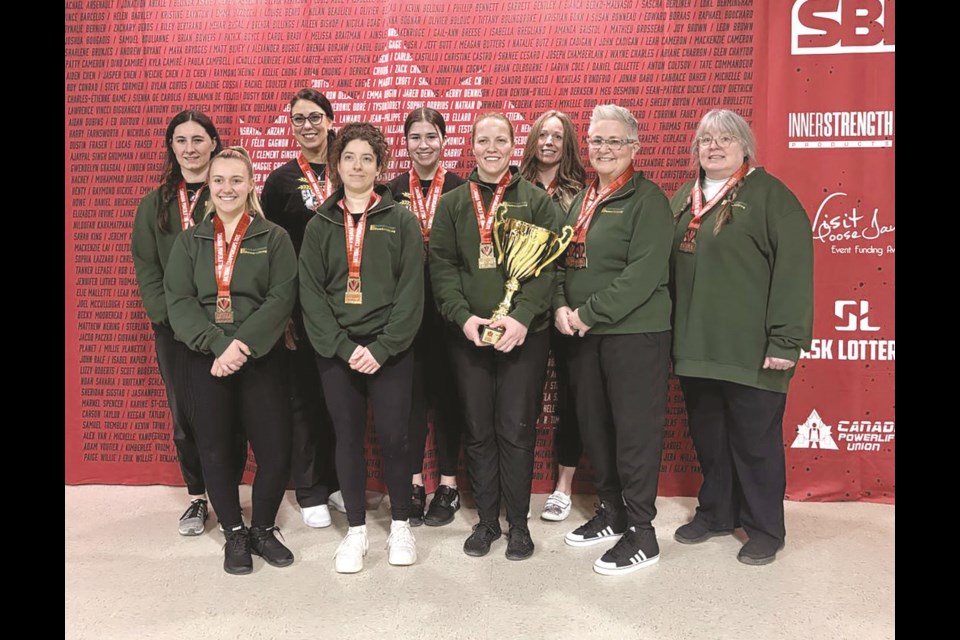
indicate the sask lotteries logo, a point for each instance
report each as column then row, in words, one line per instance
column 852, row 435
column 823, row 27
column 852, row 316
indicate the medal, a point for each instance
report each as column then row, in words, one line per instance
column 186, row 205
column 224, row 260
column 700, row 209
column 576, row 256
column 354, row 233
column 488, row 260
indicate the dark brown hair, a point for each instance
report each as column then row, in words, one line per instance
column 172, row 174
column 358, row 131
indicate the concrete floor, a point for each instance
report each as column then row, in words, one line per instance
column 128, row 574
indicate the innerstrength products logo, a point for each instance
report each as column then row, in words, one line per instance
column 814, row 434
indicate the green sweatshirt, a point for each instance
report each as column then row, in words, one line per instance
column 262, row 289
column 623, row 289
column 151, row 249
column 459, row 286
column 391, row 276
column 746, row 293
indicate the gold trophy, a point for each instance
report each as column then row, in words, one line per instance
column 528, row 249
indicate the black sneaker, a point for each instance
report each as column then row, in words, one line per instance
column 634, row 550
column 478, row 544
column 264, row 543
column 445, row 503
column 605, row 526
column 697, row 531
column 759, row 550
column 418, row 500
column 519, row 544
column 236, row 552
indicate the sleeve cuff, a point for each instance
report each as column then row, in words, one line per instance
column 587, row 316
column 220, row 345
column 523, row 316
column 378, row 351
column 786, row 353
column 345, row 349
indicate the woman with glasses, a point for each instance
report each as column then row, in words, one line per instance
column 551, row 160
column 433, row 384
column 179, row 203
column 612, row 295
column 742, row 280
column 361, row 288
column 499, row 384
column 291, row 196
column 230, row 286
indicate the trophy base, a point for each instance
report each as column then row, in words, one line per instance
column 491, row 336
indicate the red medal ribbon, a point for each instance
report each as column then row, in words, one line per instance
column 425, row 209
column 552, row 188
column 319, row 193
column 593, row 200
column 485, row 219
column 354, row 233
column 225, row 258
column 187, row 207
column 699, row 208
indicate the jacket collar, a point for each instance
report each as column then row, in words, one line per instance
column 205, row 228
column 330, row 209
column 514, row 177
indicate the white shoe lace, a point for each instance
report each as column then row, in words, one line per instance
column 401, row 538
column 354, row 543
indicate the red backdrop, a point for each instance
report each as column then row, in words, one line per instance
column 814, row 77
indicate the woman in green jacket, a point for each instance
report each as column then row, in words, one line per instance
column 230, row 286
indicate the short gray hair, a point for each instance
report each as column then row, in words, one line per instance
column 617, row 113
column 725, row 121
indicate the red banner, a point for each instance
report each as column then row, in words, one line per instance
column 819, row 72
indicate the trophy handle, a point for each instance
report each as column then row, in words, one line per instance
column 561, row 241
column 498, row 219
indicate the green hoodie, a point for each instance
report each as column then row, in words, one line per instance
column 459, row 286
column 746, row 293
column 151, row 249
column 391, row 276
column 623, row 289
column 262, row 289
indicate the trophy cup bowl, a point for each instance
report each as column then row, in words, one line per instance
column 523, row 250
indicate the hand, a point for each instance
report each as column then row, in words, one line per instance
column 363, row 361
column 234, row 357
column 561, row 321
column 290, row 335
column 778, row 364
column 471, row 329
column 217, row 370
column 514, row 335
column 576, row 324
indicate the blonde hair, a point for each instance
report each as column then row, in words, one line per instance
column 239, row 153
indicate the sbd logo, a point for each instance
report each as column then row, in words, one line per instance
column 842, row 26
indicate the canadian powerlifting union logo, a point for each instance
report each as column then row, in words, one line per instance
column 850, row 435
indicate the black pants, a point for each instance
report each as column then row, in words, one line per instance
column 568, row 446
column 620, row 385
column 256, row 400
column 500, row 394
column 168, row 351
column 311, row 461
column 738, row 433
column 434, row 386
column 389, row 391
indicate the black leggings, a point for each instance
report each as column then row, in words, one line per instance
column 253, row 401
column 434, row 386
column 389, row 391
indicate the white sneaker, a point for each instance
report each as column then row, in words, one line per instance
column 317, row 517
column 401, row 544
column 336, row 501
column 349, row 555
column 557, row 507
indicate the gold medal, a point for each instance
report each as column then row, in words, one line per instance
column 576, row 256
column 487, row 258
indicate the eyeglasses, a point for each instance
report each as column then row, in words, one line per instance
column 615, row 144
column 315, row 119
column 722, row 141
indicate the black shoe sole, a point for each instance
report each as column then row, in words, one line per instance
column 703, row 538
column 238, row 571
column 480, row 553
column 758, row 562
column 272, row 562
column 432, row 522
column 414, row 522
column 516, row 556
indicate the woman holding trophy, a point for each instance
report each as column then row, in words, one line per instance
column 500, row 361
column 612, row 293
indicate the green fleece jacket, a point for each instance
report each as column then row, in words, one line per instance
column 746, row 293
column 391, row 276
column 623, row 289
column 461, row 288
column 151, row 249
column 263, row 288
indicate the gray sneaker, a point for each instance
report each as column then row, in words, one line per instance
column 194, row 519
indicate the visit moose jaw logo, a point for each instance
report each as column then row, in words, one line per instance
column 852, row 231
column 852, row 435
